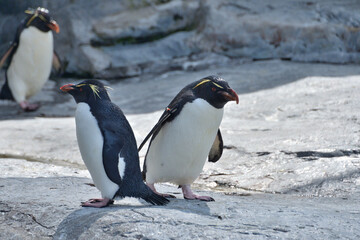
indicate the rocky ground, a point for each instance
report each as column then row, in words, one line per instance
column 290, row 167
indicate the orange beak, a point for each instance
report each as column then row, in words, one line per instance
column 54, row 26
column 231, row 95
column 67, row 87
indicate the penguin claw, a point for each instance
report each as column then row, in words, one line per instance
column 201, row 198
column 166, row 195
column 29, row 107
column 189, row 195
column 97, row 202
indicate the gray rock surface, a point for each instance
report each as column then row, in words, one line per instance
column 290, row 167
column 154, row 22
column 49, row 209
column 112, row 39
column 320, row 31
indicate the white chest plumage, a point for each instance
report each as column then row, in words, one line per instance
column 31, row 64
column 91, row 142
column 179, row 151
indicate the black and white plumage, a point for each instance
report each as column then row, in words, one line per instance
column 108, row 146
column 30, row 58
column 186, row 134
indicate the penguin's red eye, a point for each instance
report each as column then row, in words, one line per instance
column 213, row 89
column 80, row 89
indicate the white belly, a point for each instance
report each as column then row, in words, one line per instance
column 179, row 151
column 31, row 64
column 91, row 142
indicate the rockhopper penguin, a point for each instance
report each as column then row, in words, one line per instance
column 187, row 132
column 30, row 57
column 108, row 146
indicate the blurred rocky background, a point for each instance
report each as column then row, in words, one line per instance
column 119, row 39
column 290, row 167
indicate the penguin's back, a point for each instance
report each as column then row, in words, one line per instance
column 91, row 141
column 30, row 65
column 178, row 152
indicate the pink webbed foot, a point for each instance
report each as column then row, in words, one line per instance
column 152, row 187
column 97, row 202
column 29, row 107
column 189, row 195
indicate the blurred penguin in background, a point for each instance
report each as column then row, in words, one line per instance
column 30, row 58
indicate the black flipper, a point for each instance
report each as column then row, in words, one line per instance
column 7, row 57
column 217, row 148
column 8, row 53
column 5, row 92
column 158, row 125
column 174, row 108
column 56, row 63
column 111, row 161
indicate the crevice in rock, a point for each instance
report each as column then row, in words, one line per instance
column 228, row 186
column 237, row 194
column 39, row 159
column 309, row 155
column 8, row 210
column 141, row 4
column 281, row 230
column 240, row 150
column 5, row 208
column 130, row 40
column 237, row 6
column 229, row 147
column 143, row 214
column 314, row 155
column 39, row 223
column 262, row 153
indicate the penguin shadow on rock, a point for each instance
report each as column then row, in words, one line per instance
column 107, row 145
column 81, row 220
column 30, row 58
column 187, row 134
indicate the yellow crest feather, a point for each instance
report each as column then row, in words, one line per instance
column 217, row 85
column 30, row 11
column 95, row 90
column 31, row 19
column 202, row 82
column 42, row 18
column 93, row 87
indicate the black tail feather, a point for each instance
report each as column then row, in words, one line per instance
column 5, row 92
column 142, row 191
column 153, row 198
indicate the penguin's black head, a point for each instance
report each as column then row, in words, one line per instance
column 87, row 91
column 41, row 19
column 215, row 91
